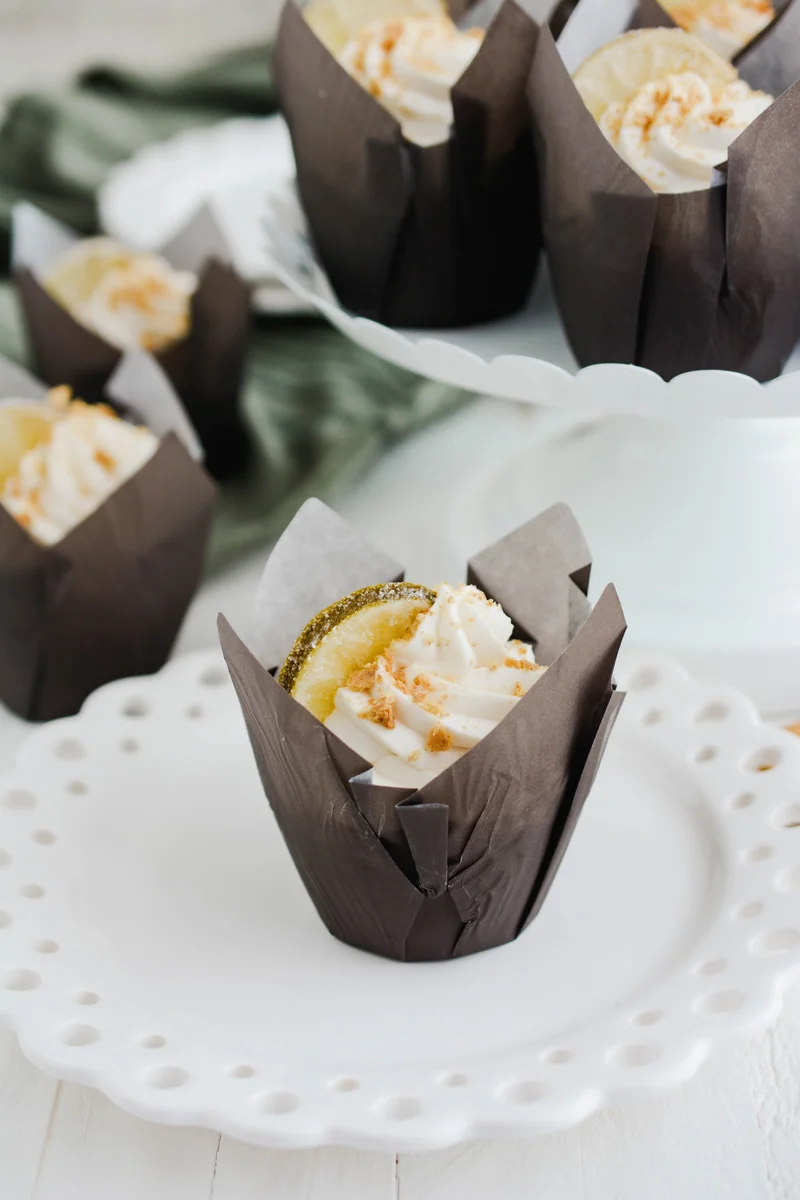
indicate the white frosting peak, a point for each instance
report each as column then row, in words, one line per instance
column 410, row 64
column 90, row 453
column 437, row 692
column 674, row 131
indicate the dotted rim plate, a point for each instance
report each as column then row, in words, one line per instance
column 728, row 982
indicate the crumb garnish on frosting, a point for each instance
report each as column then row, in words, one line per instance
column 363, row 679
column 380, row 712
column 438, row 740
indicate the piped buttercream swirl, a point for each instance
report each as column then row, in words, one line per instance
column 674, row 131
column 409, row 65
column 436, row 693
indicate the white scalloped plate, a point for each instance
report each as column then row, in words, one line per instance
column 156, row 943
column 525, row 357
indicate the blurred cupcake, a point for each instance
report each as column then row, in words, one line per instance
column 103, row 525
column 414, row 158
column 669, row 107
column 768, row 58
column 130, row 299
column 88, row 301
column 667, row 184
column 727, row 26
column 426, row 771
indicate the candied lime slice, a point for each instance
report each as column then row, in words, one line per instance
column 619, row 69
column 23, row 427
column 346, row 636
column 335, row 22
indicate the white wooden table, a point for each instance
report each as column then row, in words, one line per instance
column 733, row 1132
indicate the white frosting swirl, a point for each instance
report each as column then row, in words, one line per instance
column 142, row 303
column 674, row 131
column 727, row 26
column 409, row 65
column 57, row 484
column 436, row 693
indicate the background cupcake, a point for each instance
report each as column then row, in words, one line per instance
column 428, row 795
column 103, row 527
column 667, row 186
column 759, row 36
column 414, row 159
column 87, row 301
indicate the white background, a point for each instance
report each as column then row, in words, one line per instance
column 733, row 1132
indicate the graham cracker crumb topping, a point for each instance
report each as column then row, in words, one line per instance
column 380, row 712
column 363, row 679
column 438, row 740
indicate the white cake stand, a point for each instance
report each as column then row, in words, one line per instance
column 688, row 491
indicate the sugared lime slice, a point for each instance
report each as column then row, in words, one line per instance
column 335, row 22
column 619, row 69
column 347, row 636
column 75, row 274
column 22, row 428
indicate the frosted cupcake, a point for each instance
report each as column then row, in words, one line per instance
column 103, row 526
column 88, row 301
column 131, row 299
column 727, row 26
column 415, row 164
column 410, row 64
column 416, row 706
column 84, row 454
column 425, row 770
column 670, row 108
column 668, row 180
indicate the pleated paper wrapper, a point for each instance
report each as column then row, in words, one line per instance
column 107, row 601
column 440, row 236
column 464, row 863
column 205, row 367
column 673, row 283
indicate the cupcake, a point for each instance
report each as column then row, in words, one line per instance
column 668, row 180
column 415, row 164
column 760, row 37
column 103, row 526
column 88, row 301
column 427, row 751
column 131, row 299
column 727, row 26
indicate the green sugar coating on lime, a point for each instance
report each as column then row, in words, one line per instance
column 322, row 624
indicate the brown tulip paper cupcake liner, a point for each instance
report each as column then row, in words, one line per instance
column 673, row 283
column 107, row 601
column 205, row 367
column 436, row 236
column 464, row 863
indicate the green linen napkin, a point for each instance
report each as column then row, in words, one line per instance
column 320, row 410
